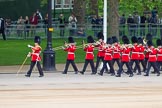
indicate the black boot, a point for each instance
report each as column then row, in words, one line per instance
column 131, row 75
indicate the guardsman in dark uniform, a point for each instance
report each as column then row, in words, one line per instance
column 100, row 55
column 89, row 55
column 35, row 57
column 2, row 28
column 108, row 58
column 125, row 58
column 152, row 59
column 135, row 54
column 116, row 51
column 159, row 53
column 70, row 48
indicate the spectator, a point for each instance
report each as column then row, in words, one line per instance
column 72, row 25
column 62, row 25
column 131, row 26
column 122, row 24
column 8, row 26
column 20, row 26
column 46, row 23
column 142, row 25
column 94, row 25
column 39, row 15
column 2, row 28
column 27, row 26
column 33, row 21
column 81, row 32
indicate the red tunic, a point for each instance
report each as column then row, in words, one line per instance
column 89, row 52
column 152, row 55
column 125, row 54
column 100, row 50
column 116, row 51
column 159, row 54
column 35, row 55
column 141, row 52
column 135, row 52
column 108, row 53
column 70, row 49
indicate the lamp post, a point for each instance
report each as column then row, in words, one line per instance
column 49, row 54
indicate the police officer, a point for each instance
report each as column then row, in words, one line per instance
column 35, row 57
column 70, row 48
column 2, row 28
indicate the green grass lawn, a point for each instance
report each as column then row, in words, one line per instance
column 13, row 52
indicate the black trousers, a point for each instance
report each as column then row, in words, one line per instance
column 121, row 68
column 87, row 61
column 153, row 64
column 136, row 64
column 159, row 64
column 117, row 61
column 98, row 61
column 3, row 34
column 32, row 66
column 73, row 65
column 143, row 65
column 105, row 65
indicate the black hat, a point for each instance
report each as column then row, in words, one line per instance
column 140, row 40
column 70, row 40
column 90, row 39
column 149, row 43
column 126, row 41
column 100, row 36
column 109, row 40
column 134, row 39
column 124, row 37
column 37, row 39
column 114, row 39
column 148, row 36
column 158, row 42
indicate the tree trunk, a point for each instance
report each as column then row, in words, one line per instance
column 79, row 10
column 113, row 18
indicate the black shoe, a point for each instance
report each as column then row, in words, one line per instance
column 131, row 75
column 112, row 74
column 76, row 72
column 82, row 72
column 127, row 73
column 93, row 73
column 158, row 74
column 139, row 73
column 146, row 75
column 153, row 72
column 118, row 75
column 64, row 72
column 41, row 76
column 27, row 75
column 100, row 74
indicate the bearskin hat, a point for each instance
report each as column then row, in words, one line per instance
column 109, row 40
column 124, row 37
column 149, row 43
column 148, row 36
column 114, row 38
column 126, row 41
column 90, row 39
column 158, row 42
column 37, row 39
column 140, row 40
column 134, row 39
column 70, row 40
column 100, row 36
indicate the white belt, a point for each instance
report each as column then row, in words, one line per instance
column 100, row 50
column 135, row 52
column 152, row 55
column 159, row 54
column 141, row 53
column 107, row 54
column 90, row 52
column 35, row 54
column 70, row 53
column 116, row 52
column 125, row 54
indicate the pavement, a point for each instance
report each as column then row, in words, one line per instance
column 56, row 90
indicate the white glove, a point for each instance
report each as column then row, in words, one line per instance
column 29, row 54
column 30, row 46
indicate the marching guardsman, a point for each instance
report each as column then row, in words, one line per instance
column 70, row 48
column 152, row 59
column 108, row 58
column 135, row 54
column 125, row 58
column 100, row 55
column 89, row 48
column 116, row 51
column 35, row 57
column 159, row 53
